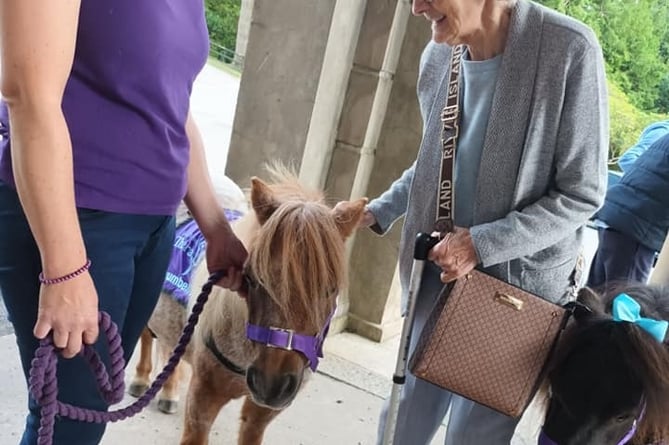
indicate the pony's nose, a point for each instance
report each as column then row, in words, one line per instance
column 274, row 391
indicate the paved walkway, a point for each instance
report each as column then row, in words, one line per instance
column 340, row 405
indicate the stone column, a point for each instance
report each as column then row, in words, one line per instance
column 244, row 24
column 282, row 65
column 277, row 93
column 373, row 295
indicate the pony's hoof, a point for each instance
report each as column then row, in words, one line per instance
column 168, row 406
column 137, row 389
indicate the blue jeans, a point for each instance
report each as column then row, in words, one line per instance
column 620, row 258
column 129, row 255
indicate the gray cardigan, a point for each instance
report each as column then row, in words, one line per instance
column 543, row 168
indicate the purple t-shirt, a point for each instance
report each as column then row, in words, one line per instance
column 126, row 103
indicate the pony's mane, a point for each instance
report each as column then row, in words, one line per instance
column 285, row 183
column 646, row 358
column 301, row 231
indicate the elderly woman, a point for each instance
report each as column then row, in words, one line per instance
column 530, row 170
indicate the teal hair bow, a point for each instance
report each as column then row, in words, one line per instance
column 625, row 308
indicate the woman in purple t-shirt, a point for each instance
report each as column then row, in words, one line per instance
column 98, row 149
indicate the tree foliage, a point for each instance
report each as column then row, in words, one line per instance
column 222, row 19
column 635, row 40
column 634, row 35
column 626, row 122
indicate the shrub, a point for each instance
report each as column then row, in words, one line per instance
column 627, row 122
column 662, row 102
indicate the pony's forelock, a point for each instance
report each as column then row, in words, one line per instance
column 302, row 232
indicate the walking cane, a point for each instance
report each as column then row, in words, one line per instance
column 424, row 242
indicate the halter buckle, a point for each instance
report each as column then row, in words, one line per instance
column 289, row 343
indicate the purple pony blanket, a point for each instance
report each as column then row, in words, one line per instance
column 188, row 252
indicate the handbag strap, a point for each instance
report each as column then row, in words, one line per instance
column 449, row 137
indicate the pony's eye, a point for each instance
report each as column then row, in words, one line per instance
column 251, row 282
column 623, row 418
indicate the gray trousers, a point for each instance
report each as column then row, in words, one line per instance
column 423, row 406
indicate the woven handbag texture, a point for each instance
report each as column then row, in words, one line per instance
column 489, row 342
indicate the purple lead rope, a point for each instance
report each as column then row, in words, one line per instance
column 43, row 382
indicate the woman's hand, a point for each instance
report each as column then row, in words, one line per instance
column 70, row 310
column 455, row 254
column 368, row 218
column 225, row 252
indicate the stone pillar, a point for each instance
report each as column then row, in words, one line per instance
column 282, row 65
column 373, row 294
column 332, row 85
column 278, row 87
column 244, row 24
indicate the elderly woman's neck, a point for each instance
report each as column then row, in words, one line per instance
column 489, row 41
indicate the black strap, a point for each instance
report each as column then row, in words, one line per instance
column 449, row 137
column 211, row 345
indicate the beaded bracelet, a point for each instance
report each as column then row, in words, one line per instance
column 82, row 269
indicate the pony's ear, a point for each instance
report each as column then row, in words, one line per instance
column 591, row 300
column 262, row 199
column 347, row 215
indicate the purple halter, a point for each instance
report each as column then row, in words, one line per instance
column 545, row 440
column 311, row 346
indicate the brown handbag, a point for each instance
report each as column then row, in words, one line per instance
column 485, row 340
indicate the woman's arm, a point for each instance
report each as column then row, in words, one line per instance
column 38, row 41
column 224, row 250
column 392, row 204
column 627, row 160
column 647, row 138
column 200, row 196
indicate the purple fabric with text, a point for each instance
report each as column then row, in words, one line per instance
column 188, row 252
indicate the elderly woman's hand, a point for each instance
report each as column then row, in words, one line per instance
column 368, row 218
column 455, row 254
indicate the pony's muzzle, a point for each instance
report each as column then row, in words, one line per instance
column 273, row 391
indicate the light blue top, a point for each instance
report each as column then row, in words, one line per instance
column 478, row 86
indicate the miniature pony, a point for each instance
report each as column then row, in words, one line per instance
column 609, row 382
column 264, row 342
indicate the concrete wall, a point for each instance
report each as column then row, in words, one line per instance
column 284, row 53
column 278, row 86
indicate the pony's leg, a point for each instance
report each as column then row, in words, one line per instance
column 168, row 400
column 142, row 380
column 254, row 422
column 203, row 402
